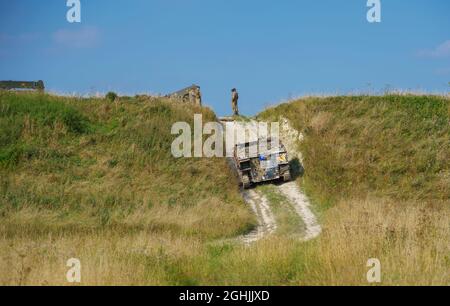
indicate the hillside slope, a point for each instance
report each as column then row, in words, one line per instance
column 378, row 170
column 394, row 146
column 94, row 179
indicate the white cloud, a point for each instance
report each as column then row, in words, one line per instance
column 85, row 37
column 443, row 50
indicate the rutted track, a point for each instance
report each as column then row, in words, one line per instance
column 266, row 220
column 291, row 191
column 258, row 202
column 303, row 208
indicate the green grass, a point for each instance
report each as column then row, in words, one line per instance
column 95, row 180
column 22, row 113
column 90, row 163
column 285, row 215
column 395, row 146
column 378, row 170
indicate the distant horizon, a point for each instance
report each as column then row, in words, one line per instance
column 379, row 93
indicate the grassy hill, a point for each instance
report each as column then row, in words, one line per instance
column 395, row 146
column 378, row 170
column 95, row 180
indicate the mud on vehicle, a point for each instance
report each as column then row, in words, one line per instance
column 256, row 165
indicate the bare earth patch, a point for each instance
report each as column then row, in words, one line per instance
column 260, row 205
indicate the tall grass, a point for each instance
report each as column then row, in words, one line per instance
column 395, row 146
column 104, row 188
column 73, row 168
column 378, row 169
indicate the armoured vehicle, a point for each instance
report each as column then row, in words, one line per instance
column 184, row 94
column 11, row 85
column 256, row 164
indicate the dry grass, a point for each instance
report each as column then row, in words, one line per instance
column 378, row 170
column 410, row 239
column 80, row 177
column 96, row 182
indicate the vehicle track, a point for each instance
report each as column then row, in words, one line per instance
column 259, row 203
column 266, row 220
column 290, row 138
column 302, row 206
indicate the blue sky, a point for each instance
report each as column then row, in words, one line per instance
column 269, row 50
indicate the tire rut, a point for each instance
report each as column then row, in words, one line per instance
column 302, row 206
column 259, row 203
column 266, row 220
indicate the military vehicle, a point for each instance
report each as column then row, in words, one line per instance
column 184, row 94
column 256, row 165
column 13, row 85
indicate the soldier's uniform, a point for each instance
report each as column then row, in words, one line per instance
column 234, row 101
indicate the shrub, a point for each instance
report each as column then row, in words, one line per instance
column 74, row 121
column 111, row 96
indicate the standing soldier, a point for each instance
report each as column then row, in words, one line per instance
column 234, row 101
column 198, row 96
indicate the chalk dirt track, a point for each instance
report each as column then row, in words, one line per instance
column 291, row 191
